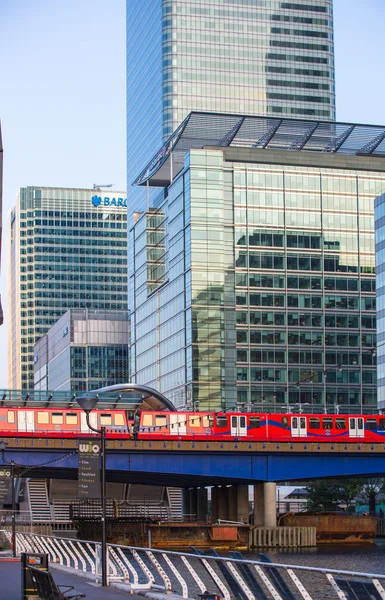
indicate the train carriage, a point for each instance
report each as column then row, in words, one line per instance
column 158, row 425
column 261, row 427
column 61, row 422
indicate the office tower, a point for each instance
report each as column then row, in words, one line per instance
column 68, row 249
column 380, row 292
column 84, row 350
column 1, row 210
column 255, row 57
column 254, row 280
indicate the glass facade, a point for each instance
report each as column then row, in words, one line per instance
column 256, row 57
column 380, row 285
column 83, row 350
column 266, row 295
column 67, row 249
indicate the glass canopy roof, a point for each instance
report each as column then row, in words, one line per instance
column 200, row 130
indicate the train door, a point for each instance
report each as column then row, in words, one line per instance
column 83, row 422
column 238, row 425
column 298, row 427
column 25, row 420
column 178, row 424
column 356, row 427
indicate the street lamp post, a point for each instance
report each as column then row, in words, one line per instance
column 3, row 446
column 87, row 403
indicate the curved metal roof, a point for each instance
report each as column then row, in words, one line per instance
column 124, row 395
column 133, row 393
column 199, row 130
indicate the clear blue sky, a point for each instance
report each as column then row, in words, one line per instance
column 62, row 93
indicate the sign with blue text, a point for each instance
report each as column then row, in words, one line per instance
column 89, row 452
column 108, row 201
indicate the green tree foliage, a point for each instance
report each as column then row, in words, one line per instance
column 371, row 489
column 329, row 494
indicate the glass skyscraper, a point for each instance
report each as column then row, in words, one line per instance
column 254, row 280
column 67, row 249
column 256, row 57
column 380, row 287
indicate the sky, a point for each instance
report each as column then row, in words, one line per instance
column 62, row 94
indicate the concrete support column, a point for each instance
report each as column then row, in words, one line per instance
column 202, row 505
column 186, row 502
column 270, row 503
column 242, row 513
column 214, row 504
column 223, row 503
column 193, row 502
column 233, row 502
column 259, row 505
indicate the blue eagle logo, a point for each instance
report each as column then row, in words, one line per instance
column 96, row 200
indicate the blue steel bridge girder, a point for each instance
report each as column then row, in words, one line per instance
column 184, row 468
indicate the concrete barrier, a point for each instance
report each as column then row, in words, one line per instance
column 282, row 537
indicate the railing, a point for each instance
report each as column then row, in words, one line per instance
column 191, row 574
column 90, row 510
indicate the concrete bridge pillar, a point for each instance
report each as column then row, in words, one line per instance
column 219, row 503
column 230, row 503
column 270, row 502
column 242, row 503
column 195, row 503
column 265, row 509
column 202, row 505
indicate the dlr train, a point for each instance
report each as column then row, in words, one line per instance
column 166, row 425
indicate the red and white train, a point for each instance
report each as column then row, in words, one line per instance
column 220, row 426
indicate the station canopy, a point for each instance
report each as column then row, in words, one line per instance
column 200, row 130
column 123, row 396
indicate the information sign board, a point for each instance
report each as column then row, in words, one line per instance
column 5, row 485
column 89, row 468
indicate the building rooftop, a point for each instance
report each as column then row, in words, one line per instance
column 201, row 130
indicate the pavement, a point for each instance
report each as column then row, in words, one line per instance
column 10, row 583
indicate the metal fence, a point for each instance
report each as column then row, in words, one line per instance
column 189, row 574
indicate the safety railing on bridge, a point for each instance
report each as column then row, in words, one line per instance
column 190, row 574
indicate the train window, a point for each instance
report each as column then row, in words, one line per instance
column 105, row 419
column 194, row 421
column 147, row 421
column 11, row 416
column 360, row 423
column 43, row 418
column 71, row 419
column 285, row 421
column 255, row 422
column 242, row 421
column 160, row 421
column 327, row 423
column 233, row 421
column 382, row 424
column 314, row 423
column 340, row 423
column 208, row 421
column 119, row 419
column 371, row 424
column 294, row 422
column 222, row 422
column 57, row 418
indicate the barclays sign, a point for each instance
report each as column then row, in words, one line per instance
column 98, row 200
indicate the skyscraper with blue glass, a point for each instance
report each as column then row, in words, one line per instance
column 255, row 57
